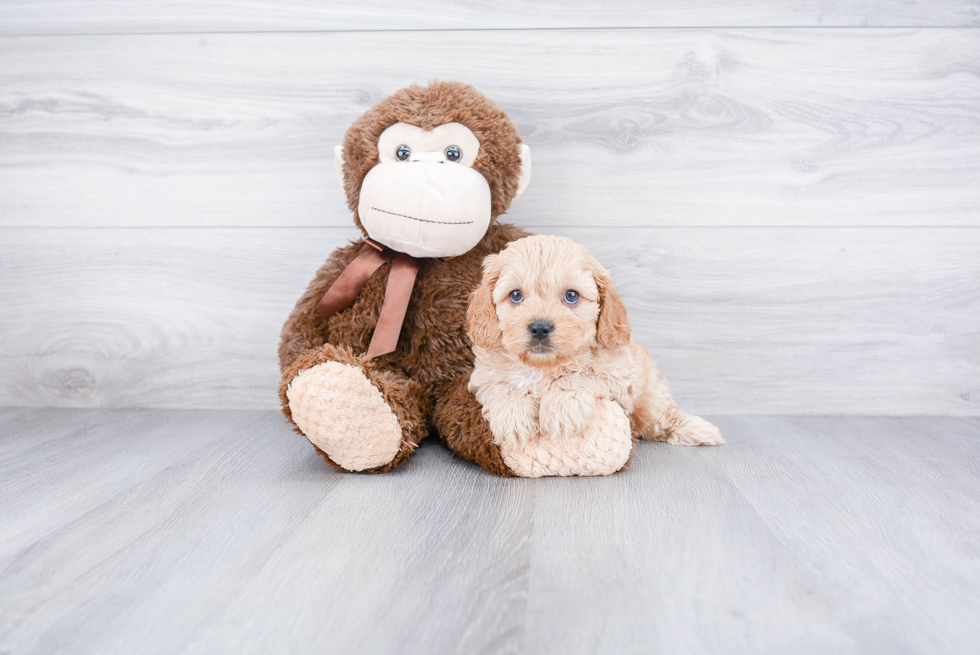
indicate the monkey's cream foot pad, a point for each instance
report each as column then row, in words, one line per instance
column 344, row 415
column 602, row 448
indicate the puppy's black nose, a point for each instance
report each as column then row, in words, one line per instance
column 541, row 329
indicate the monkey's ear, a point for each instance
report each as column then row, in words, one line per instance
column 525, row 177
column 338, row 163
column 482, row 323
column 613, row 326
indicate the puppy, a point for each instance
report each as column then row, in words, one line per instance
column 562, row 385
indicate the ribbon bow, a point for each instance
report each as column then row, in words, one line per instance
column 401, row 281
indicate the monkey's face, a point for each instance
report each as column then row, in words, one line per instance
column 423, row 197
column 428, row 168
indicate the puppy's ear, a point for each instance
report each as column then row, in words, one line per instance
column 613, row 326
column 481, row 316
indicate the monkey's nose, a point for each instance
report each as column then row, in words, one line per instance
column 541, row 330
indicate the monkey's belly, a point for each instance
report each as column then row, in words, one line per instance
column 602, row 448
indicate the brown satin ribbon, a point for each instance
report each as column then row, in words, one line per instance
column 401, row 281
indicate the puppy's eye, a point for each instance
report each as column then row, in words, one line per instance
column 571, row 297
column 403, row 153
column 516, row 296
column 453, row 153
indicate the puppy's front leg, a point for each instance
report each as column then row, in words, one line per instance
column 511, row 412
column 565, row 412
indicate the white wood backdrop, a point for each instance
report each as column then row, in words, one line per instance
column 155, row 16
column 791, row 210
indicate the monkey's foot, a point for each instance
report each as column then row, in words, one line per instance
column 344, row 415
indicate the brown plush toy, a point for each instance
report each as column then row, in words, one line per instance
column 375, row 353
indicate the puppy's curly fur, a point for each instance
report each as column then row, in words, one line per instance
column 563, row 386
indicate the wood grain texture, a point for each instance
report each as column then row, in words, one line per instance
column 830, row 485
column 835, row 127
column 107, row 16
column 801, row 535
column 743, row 320
column 206, row 531
column 224, row 528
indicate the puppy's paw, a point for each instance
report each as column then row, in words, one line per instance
column 694, row 431
column 565, row 413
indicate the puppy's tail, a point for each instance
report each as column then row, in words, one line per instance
column 656, row 415
column 693, row 430
column 676, row 428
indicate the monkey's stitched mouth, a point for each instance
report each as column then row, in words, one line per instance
column 422, row 220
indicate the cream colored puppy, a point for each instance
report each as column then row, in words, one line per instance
column 562, row 385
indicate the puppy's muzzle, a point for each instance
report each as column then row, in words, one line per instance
column 540, row 330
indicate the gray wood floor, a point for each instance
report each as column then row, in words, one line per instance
column 151, row 531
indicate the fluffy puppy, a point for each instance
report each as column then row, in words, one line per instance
column 563, row 386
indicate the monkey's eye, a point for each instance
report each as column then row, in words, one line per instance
column 453, row 153
column 403, row 153
column 571, row 297
column 516, row 296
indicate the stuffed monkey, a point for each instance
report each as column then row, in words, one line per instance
column 375, row 353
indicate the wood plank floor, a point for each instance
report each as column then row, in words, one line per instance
column 151, row 531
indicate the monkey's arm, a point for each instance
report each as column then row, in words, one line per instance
column 305, row 329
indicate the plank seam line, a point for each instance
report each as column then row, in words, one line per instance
column 613, row 28
column 522, row 225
